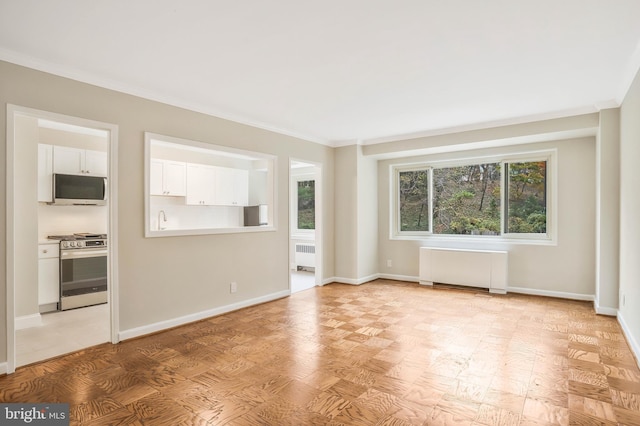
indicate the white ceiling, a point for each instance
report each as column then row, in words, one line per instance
column 339, row 71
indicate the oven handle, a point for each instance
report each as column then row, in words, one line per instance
column 78, row 254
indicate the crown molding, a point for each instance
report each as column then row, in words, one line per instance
column 89, row 78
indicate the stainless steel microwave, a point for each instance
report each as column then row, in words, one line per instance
column 79, row 190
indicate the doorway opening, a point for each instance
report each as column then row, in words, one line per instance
column 305, row 201
column 41, row 145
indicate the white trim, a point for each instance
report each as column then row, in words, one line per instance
column 118, row 86
column 550, row 238
column 28, row 321
column 12, row 112
column 633, row 344
column 175, row 322
column 10, row 242
column 356, row 281
column 603, row 310
column 396, row 277
column 520, row 290
column 495, row 124
column 114, row 286
column 213, row 150
column 550, row 293
column 328, row 281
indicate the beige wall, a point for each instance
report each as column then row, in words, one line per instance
column 367, row 216
column 26, row 196
column 166, row 278
column 345, row 215
column 356, row 217
column 608, row 212
column 567, row 267
column 629, row 208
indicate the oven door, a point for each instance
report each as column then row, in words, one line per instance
column 83, row 277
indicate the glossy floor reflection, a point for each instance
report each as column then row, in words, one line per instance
column 383, row 353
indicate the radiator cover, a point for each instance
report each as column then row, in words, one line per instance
column 474, row 268
column 305, row 255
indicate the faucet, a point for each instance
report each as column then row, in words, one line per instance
column 164, row 216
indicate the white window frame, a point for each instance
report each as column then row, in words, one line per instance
column 550, row 181
column 396, row 204
column 548, row 238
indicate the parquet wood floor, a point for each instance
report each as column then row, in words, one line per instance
column 383, row 353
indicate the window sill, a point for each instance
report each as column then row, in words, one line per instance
column 478, row 239
column 306, row 236
column 208, row 231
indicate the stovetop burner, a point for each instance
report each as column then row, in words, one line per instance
column 78, row 236
column 90, row 235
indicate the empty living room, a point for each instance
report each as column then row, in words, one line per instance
column 455, row 182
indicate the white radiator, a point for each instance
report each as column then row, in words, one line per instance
column 305, row 255
column 475, row 268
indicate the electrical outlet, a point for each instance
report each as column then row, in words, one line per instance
column 624, row 299
column 389, row 263
column 233, row 287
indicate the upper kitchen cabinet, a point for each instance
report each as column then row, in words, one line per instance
column 168, row 178
column 201, row 190
column 75, row 161
column 232, row 187
column 217, row 186
column 220, row 182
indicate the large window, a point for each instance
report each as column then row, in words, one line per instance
column 466, row 199
column 526, row 195
column 499, row 198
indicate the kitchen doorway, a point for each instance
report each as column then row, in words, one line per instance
column 36, row 328
column 305, row 236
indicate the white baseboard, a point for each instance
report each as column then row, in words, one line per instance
column 635, row 348
column 395, row 277
column 603, row 310
column 3, row 368
column 356, row 281
column 164, row 325
column 549, row 293
column 28, row 321
column 328, row 281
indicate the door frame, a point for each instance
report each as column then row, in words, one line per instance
column 14, row 111
column 319, row 275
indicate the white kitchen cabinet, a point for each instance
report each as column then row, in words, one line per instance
column 95, row 163
column 231, row 187
column 200, row 184
column 168, row 178
column 48, row 273
column 45, row 173
column 75, row 161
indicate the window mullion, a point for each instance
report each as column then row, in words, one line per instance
column 504, row 195
column 430, row 200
